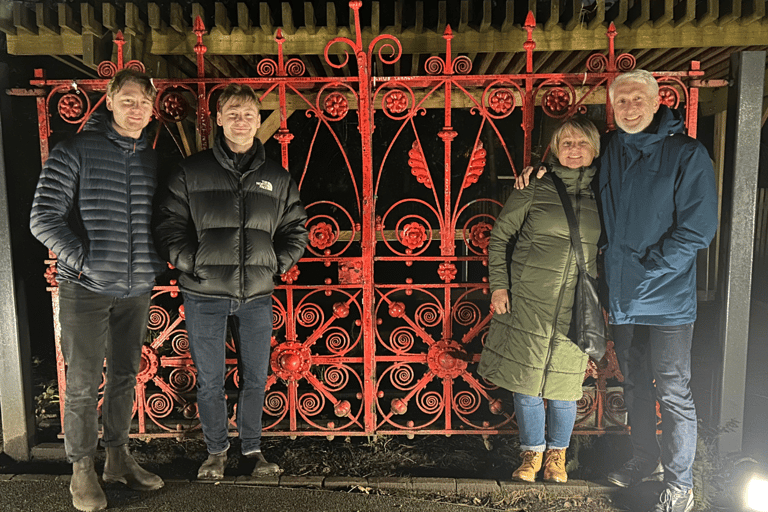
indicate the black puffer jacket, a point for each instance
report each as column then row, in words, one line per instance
column 93, row 207
column 230, row 229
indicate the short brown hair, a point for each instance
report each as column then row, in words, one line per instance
column 576, row 124
column 130, row 75
column 241, row 92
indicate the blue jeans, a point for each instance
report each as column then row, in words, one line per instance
column 661, row 353
column 206, row 319
column 560, row 416
column 95, row 326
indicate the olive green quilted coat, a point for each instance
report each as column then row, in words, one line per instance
column 527, row 349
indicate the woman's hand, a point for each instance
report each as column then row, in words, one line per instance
column 500, row 301
column 524, row 178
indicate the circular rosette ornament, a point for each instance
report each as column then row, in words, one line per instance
column 479, row 237
column 447, row 359
column 669, row 96
column 174, row 107
column 557, row 101
column 394, row 103
column 336, row 105
column 323, row 235
column 412, row 235
column 72, row 107
column 290, row 360
column 501, row 101
column 148, row 364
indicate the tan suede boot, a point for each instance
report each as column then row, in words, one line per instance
column 530, row 466
column 87, row 494
column 554, row 466
column 120, row 466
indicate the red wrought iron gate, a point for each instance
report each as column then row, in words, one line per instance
column 379, row 328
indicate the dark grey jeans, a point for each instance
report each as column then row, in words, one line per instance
column 95, row 326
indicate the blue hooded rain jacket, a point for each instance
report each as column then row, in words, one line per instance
column 659, row 203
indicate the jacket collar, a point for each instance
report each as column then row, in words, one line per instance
column 575, row 179
column 101, row 121
column 252, row 160
column 666, row 122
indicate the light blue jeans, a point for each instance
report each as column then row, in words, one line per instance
column 560, row 415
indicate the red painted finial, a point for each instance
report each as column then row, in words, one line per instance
column 199, row 29
column 448, row 33
column 120, row 42
column 611, row 48
column 529, row 44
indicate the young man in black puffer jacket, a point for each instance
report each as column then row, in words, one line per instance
column 92, row 208
column 231, row 222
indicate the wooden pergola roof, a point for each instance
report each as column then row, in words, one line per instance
column 660, row 34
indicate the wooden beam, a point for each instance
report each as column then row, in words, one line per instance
column 221, row 23
column 667, row 17
column 244, row 17
column 67, row 22
column 288, row 27
column 690, row 14
column 265, row 20
column 310, row 23
column 24, row 20
column 44, row 19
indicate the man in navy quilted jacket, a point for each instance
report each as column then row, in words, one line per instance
column 92, row 208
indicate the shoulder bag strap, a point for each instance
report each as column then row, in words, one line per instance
column 573, row 223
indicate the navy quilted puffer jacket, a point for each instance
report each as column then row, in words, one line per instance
column 93, row 207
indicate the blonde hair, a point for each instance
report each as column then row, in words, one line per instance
column 241, row 92
column 130, row 75
column 638, row 76
column 576, row 125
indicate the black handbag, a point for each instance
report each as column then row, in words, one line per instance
column 591, row 331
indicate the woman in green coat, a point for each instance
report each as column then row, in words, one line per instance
column 528, row 350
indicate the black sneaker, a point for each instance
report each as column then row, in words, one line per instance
column 634, row 471
column 673, row 500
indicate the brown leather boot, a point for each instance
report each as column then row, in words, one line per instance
column 264, row 467
column 554, row 466
column 530, row 466
column 87, row 494
column 120, row 466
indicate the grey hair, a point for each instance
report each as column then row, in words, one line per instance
column 638, row 76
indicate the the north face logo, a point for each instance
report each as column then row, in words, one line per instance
column 265, row 185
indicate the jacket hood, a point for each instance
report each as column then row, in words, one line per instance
column 101, row 122
column 666, row 122
column 255, row 156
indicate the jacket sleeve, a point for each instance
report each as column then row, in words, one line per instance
column 504, row 232
column 175, row 234
column 52, row 208
column 291, row 236
column 695, row 214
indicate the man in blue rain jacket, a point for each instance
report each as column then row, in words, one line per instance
column 659, row 202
